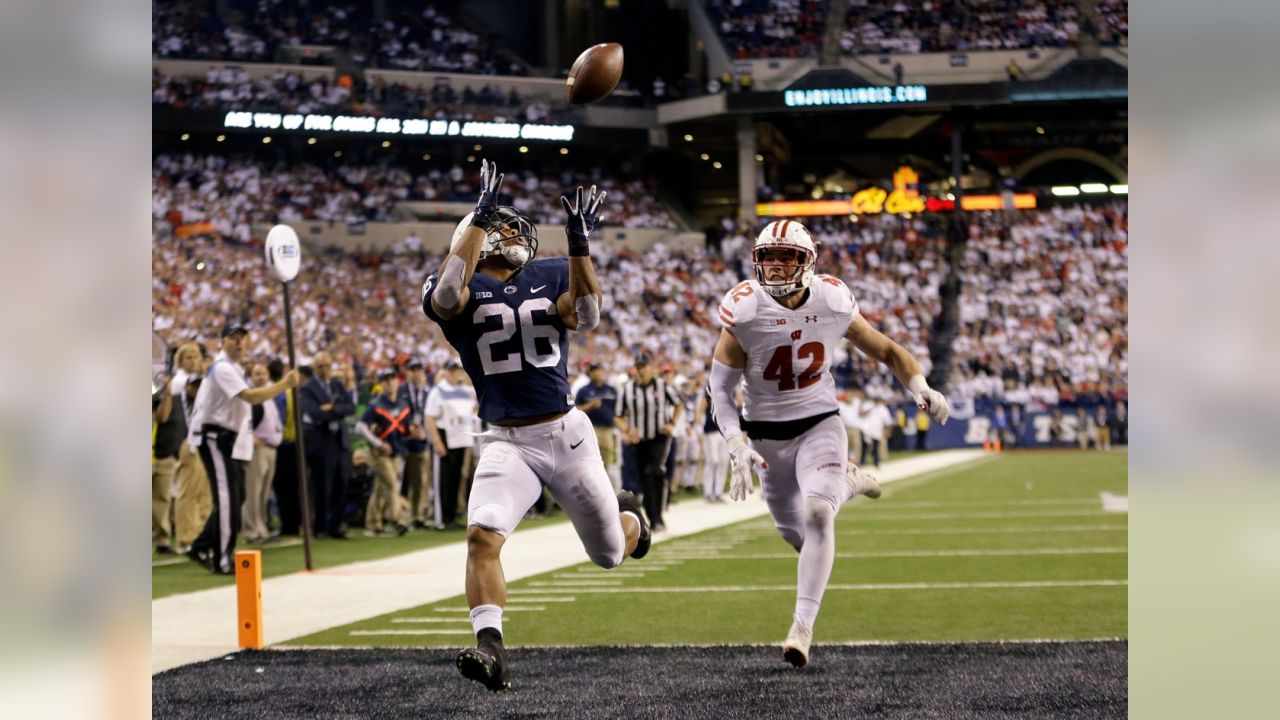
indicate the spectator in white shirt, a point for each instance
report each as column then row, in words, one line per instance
column 268, row 431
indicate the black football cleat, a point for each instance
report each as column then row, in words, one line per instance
column 627, row 503
column 486, row 663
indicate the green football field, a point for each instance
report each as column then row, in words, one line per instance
column 1013, row 547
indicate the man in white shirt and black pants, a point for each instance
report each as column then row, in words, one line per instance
column 226, row 445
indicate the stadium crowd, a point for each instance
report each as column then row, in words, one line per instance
column 412, row 36
column 233, row 192
column 1042, row 316
column 228, row 86
column 770, row 28
column 893, row 26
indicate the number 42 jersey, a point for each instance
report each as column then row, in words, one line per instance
column 511, row 340
column 789, row 352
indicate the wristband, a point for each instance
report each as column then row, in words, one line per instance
column 578, row 245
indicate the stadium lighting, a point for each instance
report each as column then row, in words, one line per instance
column 311, row 141
column 1039, row 130
column 477, row 148
column 337, row 153
column 186, row 136
column 1094, row 188
column 266, row 139
column 759, row 158
column 564, row 151
column 200, row 265
column 1065, row 191
column 524, row 148
column 221, row 138
column 471, row 158
column 386, row 143
column 716, row 165
column 1120, row 189
column 705, row 156
column 688, row 138
column 426, row 156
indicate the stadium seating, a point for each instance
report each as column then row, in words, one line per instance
column 1042, row 310
column 762, row 28
column 230, row 87
column 892, row 26
column 413, row 36
column 233, row 192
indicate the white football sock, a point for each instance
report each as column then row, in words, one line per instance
column 486, row 616
column 817, row 556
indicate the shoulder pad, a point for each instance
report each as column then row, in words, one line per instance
column 838, row 296
column 738, row 305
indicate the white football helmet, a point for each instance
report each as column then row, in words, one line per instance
column 790, row 235
column 507, row 223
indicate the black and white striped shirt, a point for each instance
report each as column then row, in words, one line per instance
column 647, row 408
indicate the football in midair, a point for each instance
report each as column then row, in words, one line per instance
column 594, row 74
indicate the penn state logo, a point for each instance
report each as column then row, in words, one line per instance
column 510, row 289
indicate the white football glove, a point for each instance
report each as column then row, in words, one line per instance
column 929, row 400
column 742, row 461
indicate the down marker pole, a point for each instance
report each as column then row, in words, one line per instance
column 249, row 598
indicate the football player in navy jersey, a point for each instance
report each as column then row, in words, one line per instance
column 508, row 316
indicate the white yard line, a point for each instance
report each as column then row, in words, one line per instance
column 883, row 516
column 1012, row 584
column 508, row 608
column 192, row 627
column 1028, row 552
column 375, row 633
column 986, row 530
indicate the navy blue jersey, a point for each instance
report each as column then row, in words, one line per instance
column 511, row 340
column 603, row 415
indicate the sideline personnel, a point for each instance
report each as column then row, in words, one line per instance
column 226, row 444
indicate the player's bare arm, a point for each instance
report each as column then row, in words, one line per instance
column 460, row 264
column 579, row 306
column 903, row 365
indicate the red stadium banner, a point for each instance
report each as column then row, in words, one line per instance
column 195, row 228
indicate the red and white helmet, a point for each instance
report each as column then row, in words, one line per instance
column 790, row 235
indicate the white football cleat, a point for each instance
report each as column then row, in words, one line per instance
column 795, row 649
column 861, row 482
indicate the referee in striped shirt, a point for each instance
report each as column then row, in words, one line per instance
column 647, row 412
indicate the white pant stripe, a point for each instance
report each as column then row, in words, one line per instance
column 224, row 501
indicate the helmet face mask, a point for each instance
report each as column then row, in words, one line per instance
column 510, row 236
column 784, row 244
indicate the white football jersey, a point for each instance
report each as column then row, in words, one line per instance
column 789, row 352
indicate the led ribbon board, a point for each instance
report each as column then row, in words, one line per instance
column 855, row 96
column 361, row 124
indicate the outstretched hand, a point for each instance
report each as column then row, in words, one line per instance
column 584, row 214
column 490, row 181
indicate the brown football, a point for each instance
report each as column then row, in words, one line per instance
column 594, row 74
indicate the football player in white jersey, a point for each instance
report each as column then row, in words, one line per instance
column 779, row 335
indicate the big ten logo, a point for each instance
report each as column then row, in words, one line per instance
column 905, row 197
column 977, row 431
column 1044, row 425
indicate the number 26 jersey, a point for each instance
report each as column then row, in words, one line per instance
column 511, row 340
column 789, row 352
